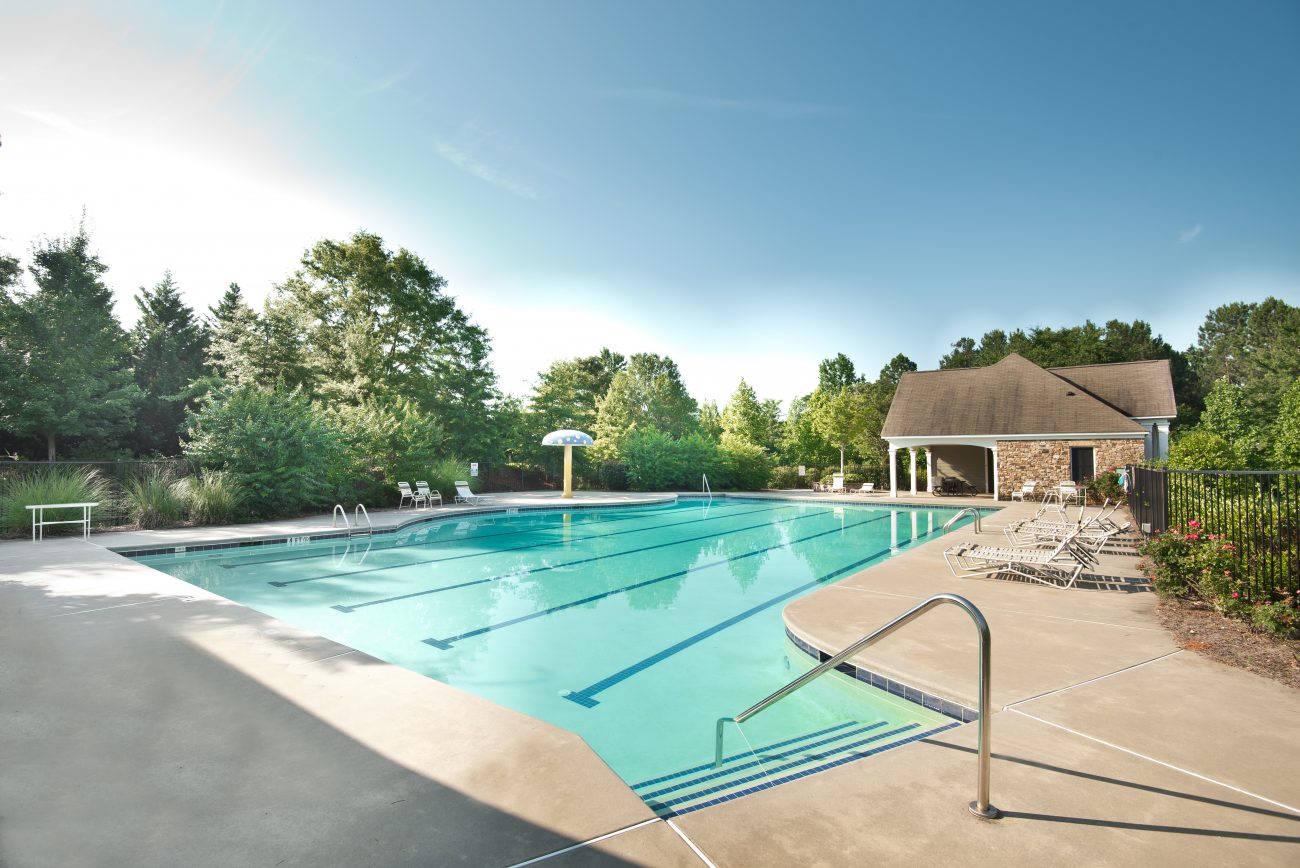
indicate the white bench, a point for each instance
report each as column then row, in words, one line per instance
column 38, row 517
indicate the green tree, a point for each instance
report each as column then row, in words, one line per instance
column 1255, row 346
column 385, row 441
column 801, row 441
column 267, row 349
column 710, row 420
column 844, row 417
column 66, row 357
column 1286, row 431
column 893, row 371
column 1227, row 415
column 1199, row 449
column 565, row 396
column 169, row 345
column 378, row 323
column 649, row 393
column 836, row 373
column 747, row 419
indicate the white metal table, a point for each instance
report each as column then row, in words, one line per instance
column 38, row 517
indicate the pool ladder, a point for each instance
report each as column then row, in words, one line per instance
column 705, row 489
column 357, row 514
column 970, row 510
column 980, row 807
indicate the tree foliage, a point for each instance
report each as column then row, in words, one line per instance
column 836, row 373
column 65, row 356
column 747, row 420
column 169, row 345
column 648, row 393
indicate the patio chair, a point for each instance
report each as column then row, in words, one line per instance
column 1101, row 522
column 1059, row 567
column 404, row 488
column 837, row 484
column 867, row 488
column 1026, row 490
column 464, row 495
column 1069, row 492
column 429, row 495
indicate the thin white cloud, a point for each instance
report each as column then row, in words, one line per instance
column 466, row 162
column 769, row 107
column 390, row 81
column 1190, row 235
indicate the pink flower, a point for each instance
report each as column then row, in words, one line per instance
column 1193, row 523
column 1235, row 595
column 1227, row 572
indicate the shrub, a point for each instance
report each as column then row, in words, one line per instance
column 385, row 442
column 612, row 475
column 748, row 466
column 51, row 485
column 786, row 476
column 1106, row 485
column 1199, row 449
column 278, row 447
column 1186, row 561
column 442, row 473
column 214, row 497
column 154, row 498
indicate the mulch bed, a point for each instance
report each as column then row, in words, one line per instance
column 1199, row 628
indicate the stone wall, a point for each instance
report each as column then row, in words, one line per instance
column 1048, row 461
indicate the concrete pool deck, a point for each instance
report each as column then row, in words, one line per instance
column 145, row 721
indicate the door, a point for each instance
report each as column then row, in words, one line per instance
column 1081, row 463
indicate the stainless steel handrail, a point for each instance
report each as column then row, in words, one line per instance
column 980, row 807
column 970, row 510
column 340, row 511
column 360, row 512
column 705, row 478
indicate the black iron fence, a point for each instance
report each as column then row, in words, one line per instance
column 23, row 482
column 1257, row 511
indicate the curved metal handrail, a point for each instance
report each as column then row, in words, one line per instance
column 359, row 513
column 705, row 478
column 340, row 511
column 980, row 807
column 970, row 510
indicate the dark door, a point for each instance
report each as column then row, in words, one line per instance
column 1081, row 468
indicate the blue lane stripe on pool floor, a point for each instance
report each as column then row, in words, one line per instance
column 554, row 542
column 446, row 643
column 586, row 696
column 535, row 570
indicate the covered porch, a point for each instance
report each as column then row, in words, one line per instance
column 970, row 460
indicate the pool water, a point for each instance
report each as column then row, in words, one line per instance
column 636, row 628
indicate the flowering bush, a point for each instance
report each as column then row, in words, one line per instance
column 1185, row 561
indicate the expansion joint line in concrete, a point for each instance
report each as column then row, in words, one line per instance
column 590, row 841
column 689, row 843
column 1011, row 706
column 1117, row 747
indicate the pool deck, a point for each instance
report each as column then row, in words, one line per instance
column 144, row 721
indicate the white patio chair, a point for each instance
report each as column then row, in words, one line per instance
column 429, row 495
column 837, row 484
column 1026, row 490
column 404, row 488
column 464, row 495
column 1059, row 567
column 867, row 488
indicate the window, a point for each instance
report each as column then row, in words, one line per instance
column 1081, row 463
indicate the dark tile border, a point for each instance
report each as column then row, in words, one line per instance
column 907, row 692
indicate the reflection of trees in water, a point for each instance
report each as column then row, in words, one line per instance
column 745, row 570
column 829, row 553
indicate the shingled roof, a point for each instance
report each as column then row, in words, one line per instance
column 1133, row 388
column 1017, row 397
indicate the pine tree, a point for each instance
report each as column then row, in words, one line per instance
column 66, row 356
column 170, row 344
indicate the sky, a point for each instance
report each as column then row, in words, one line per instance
column 745, row 187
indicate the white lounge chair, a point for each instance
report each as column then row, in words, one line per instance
column 464, row 495
column 1026, row 490
column 1059, row 567
column 404, row 488
column 429, row 495
column 837, row 484
column 867, row 488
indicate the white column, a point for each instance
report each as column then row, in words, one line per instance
column 1162, row 440
column 929, row 470
column 1150, row 451
column 911, row 455
column 893, row 471
column 995, row 473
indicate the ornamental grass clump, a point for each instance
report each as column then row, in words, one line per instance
column 214, row 497
column 154, row 499
column 52, row 485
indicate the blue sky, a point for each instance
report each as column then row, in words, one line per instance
column 748, row 188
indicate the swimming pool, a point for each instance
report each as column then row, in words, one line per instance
column 635, row 627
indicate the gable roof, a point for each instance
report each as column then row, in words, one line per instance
column 1014, row 396
column 1133, row 388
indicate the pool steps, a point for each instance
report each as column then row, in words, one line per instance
column 752, row 771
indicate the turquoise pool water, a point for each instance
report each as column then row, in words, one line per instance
column 636, row 628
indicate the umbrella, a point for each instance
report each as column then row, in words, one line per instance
column 568, row 438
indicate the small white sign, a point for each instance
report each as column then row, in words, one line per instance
column 473, row 468
column 803, row 471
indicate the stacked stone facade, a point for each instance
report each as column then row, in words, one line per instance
column 1048, row 461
